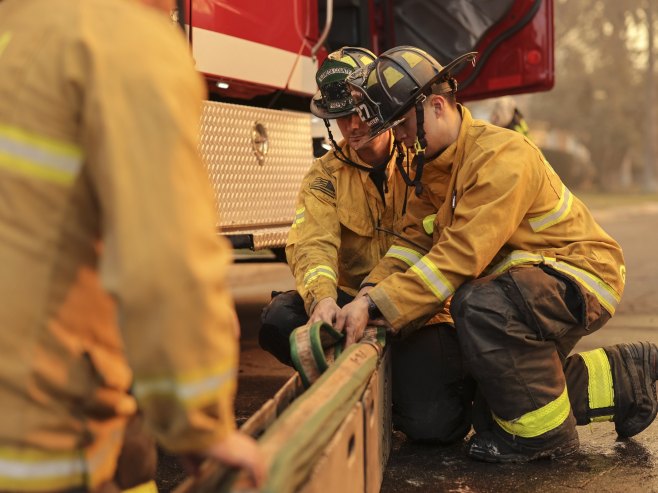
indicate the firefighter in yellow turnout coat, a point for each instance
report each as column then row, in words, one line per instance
column 530, row 270
column 111, row 273
column 348, row 205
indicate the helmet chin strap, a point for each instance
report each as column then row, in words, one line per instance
column 419, row 149
column 340, row 155
column 420, row 145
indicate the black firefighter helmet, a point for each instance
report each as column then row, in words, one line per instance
column 399, row 79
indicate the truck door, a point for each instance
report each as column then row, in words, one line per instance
column 514, row 38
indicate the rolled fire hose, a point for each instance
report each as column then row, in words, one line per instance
column 314, row 347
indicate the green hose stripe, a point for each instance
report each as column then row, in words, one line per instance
column 316, row 346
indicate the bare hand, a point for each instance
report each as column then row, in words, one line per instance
column 364, row 290
column 240, row 450
column 352, row 319
column 326, row 310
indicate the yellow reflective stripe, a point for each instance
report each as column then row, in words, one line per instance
column 299, row 216
column 607, row 296
column 5, row 38
column 30, row 469
column 600, row 387
column 149, row 487
column 428, row 224
column 187, row 388
column 392, row 76
column 37, row 156
column 317, row 271
column 554, row 216
column 517, row 257
column 540, row 420
column 407, row 255
column 433, row 278
column 411, row 58
column 35, row 470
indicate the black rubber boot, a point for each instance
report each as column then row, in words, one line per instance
column 635, row 370
column 496, row 445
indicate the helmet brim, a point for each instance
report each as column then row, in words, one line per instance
column 323, row 113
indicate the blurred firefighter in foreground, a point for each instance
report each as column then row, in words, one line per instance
column 530, row 270
column 112, row 275
column 335, row 242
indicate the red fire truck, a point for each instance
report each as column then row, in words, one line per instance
column 260, row 56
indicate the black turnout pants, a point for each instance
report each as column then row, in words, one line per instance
column 516, row 331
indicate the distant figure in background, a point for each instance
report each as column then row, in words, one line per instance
column 506, row 114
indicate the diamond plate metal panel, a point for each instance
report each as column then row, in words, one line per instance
column 254, row 194
column 266, row 237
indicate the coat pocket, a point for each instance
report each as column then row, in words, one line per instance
column 356, row 222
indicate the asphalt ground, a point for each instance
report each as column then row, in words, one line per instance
column 603, row 464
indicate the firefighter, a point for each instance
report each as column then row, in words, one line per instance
column 113, row 279
column 506, row 114
column 349, row 204
column 530, row 270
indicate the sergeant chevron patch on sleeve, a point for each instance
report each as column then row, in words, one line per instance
column 325, row 186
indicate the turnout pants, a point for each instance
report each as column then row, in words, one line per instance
column 515, row 332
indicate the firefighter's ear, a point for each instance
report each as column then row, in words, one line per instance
column 437, row 104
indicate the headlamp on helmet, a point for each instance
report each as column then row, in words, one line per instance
column 333, row 99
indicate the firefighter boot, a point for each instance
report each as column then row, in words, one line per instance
column 496, row 445
column 634, row 370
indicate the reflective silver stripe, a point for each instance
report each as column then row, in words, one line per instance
column 517, row 257
column 557, row 214
column 38, row 156
column 26, row 469
column 433, row 278
column 320, row 270
column 604, row 293
column 182, row 391
column 407, row 255
column 299, row 216
column 607, row 296
column 39, row 469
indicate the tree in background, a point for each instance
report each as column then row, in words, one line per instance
column 602, row 86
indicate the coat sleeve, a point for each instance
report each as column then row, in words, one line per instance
column 162, row 259
column 314, row 239
column 498, row 188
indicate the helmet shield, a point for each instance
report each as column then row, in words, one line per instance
column 384, row 91
column 366, row 104
column 333, row 99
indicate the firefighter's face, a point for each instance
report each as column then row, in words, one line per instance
column 405, row 132
column 437, row 131
column 354, row 130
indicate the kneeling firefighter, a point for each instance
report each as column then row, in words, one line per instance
column 349, row 204
column 529, row 270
